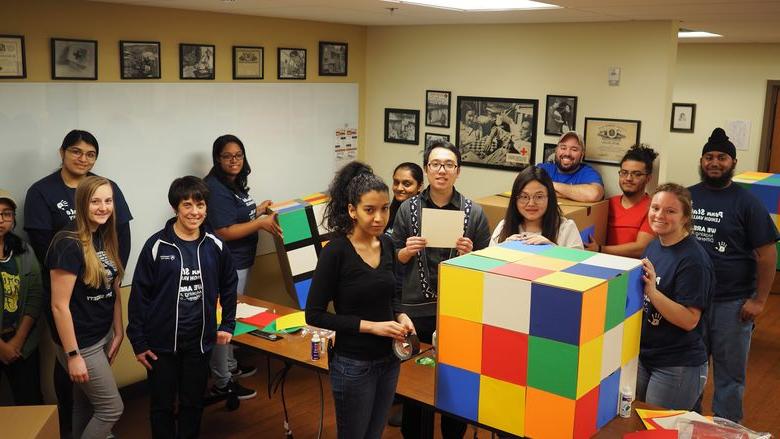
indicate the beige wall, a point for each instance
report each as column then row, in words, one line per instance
column 726, row 82
column 523, row 61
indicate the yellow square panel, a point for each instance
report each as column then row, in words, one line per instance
column 569, row 281
column 553, row 264
column 460, row 292
column 502, row 254
column 632, row 328
column 589, row 367
column 752, row 175
column 502, row 405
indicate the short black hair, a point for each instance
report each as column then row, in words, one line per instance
column 441, row 144
column 189, row 187
column 76, row 136
column 641, row 153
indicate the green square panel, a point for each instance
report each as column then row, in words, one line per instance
column 476, row 262
column 567, row 254
column 295, row 226
column 616, row 301
column 777, row 246
column 552, row 366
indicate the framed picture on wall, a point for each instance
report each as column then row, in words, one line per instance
column 139, row 59
column 548, row 155
column 248, row 62
column 291, row 63
column 196, row 61
column 497, row 133
column 435, row 137
column 607, row 140
column 12, row 61
column 333, row 59
column 561, row 115
column 683, row 118
column 437, row 108
column 402, row 126
column 73, row 59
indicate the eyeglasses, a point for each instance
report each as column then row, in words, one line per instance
column 227, row 157
column 634, row 174
column 7, row 215
column 436, row 166
column 78, row 153
column 538, row 198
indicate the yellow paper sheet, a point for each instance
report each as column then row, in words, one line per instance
column 645, row 414
column 294, row 320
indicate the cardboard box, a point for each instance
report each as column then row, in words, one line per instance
column 33, row 422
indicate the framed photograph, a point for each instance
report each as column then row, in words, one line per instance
column 402, row 126
column 292, row 63
column 548, row 154
column 607, row 140
column 333, row 59
column 139, row 59
column 73, row 59
column 561, row 115
column 248, row 62
column 437, row 108
column 196, row 61
column 683, row 118
column 434, row 137
column 12, row 61
column 497, row 132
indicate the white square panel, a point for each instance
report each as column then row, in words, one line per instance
column 628, row 375
column 506, row 302
column 610, row 354
column 611, row 261
column 302, row 260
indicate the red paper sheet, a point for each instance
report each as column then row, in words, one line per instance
column 260, row 320
column 652, row 434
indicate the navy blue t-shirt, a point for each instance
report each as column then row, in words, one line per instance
column 190, row 321
column 227, row 208
column 730, row 223
column 92, row 309
column 684, row 274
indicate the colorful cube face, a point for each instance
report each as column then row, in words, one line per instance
column 303, row 238
column 537, row 341
column 766, row 187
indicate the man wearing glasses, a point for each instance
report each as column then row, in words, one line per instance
column 418, row 295
column 571, row 178
column 628, row 231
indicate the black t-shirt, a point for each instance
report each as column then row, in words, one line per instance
column 227, row 208
column 9, row 287
column 190, row 323
column 684, row 274
column 358, row 291
column 92, row 309
column 730, row 223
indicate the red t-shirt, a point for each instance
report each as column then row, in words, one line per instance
column 623, row 225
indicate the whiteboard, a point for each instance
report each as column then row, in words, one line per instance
column 150, row 134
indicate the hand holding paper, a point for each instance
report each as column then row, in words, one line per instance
column 442, row 228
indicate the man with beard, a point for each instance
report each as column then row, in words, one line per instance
column 628, row 231
column 572, row 178
column 737, row 232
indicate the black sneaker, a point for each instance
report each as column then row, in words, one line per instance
column 233, row 387
column 243, row 371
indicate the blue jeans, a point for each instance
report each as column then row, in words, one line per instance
column 674, row 388
column 728, row 341
column 362, row 393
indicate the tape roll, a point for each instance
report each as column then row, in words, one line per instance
column 408, row 348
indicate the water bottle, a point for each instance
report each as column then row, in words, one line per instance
column 626, row 398
column 315, row 346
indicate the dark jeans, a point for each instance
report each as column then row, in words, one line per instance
column 417, row 421
column 182, row 374
column 363, row 392
column 63, row 388
column 25, row 379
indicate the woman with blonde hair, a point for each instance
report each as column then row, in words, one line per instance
column 85, row 268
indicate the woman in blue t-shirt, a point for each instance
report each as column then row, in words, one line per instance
column 678, row 277
column 85, row 270
column 236, row 219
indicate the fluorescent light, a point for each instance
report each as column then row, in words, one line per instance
column 687, row 33
column 479, row 5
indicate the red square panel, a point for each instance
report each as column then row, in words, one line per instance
column 504, row 354
column 585, row 413
column 521, row 271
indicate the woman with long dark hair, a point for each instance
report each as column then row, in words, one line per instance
column 355, row 271
column 407, row 182
column 533, row 215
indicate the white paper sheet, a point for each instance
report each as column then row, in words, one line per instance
column 441, row 228
column 245, row 310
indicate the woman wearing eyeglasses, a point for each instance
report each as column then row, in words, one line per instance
column 50, row 206
column 236, row 219
column 533, row 215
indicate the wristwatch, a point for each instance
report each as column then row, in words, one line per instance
column 74, row 353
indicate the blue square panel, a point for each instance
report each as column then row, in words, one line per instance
column 608, row 398
column 767, row 194
column 457, row 391
column 555, row 313
column 517, row 245
column 635, row 291
column 593, row 271
column 302, row 292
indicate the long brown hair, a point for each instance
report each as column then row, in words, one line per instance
column 684, row 196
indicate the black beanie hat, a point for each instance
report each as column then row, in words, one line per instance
column 719, row 142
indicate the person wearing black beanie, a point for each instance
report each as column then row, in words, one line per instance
column 738, row 234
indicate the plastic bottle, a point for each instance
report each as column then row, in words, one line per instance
column 315, row 346
column 626, row 398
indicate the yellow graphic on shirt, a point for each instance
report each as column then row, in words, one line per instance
column 11, row 289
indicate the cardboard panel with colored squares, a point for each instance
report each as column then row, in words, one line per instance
column 766, row 187
column 537, row 341
column 303, row 238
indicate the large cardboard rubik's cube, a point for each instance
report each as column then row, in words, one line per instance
column 303, row 239
column 537, row 341
column 766, row 187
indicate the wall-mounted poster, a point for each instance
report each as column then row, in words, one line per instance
column 333, row 59
column 549, row 152
column 561, row 115
column 291, row 63
column 196, row 61
column 683, row 117
column 435, row 137
column 497, row 132
column 402, row 126
column 247, row 62
column 12, row 62
column 139, row 59
column 437, row 108
column 607, row 140
column 73, row 59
